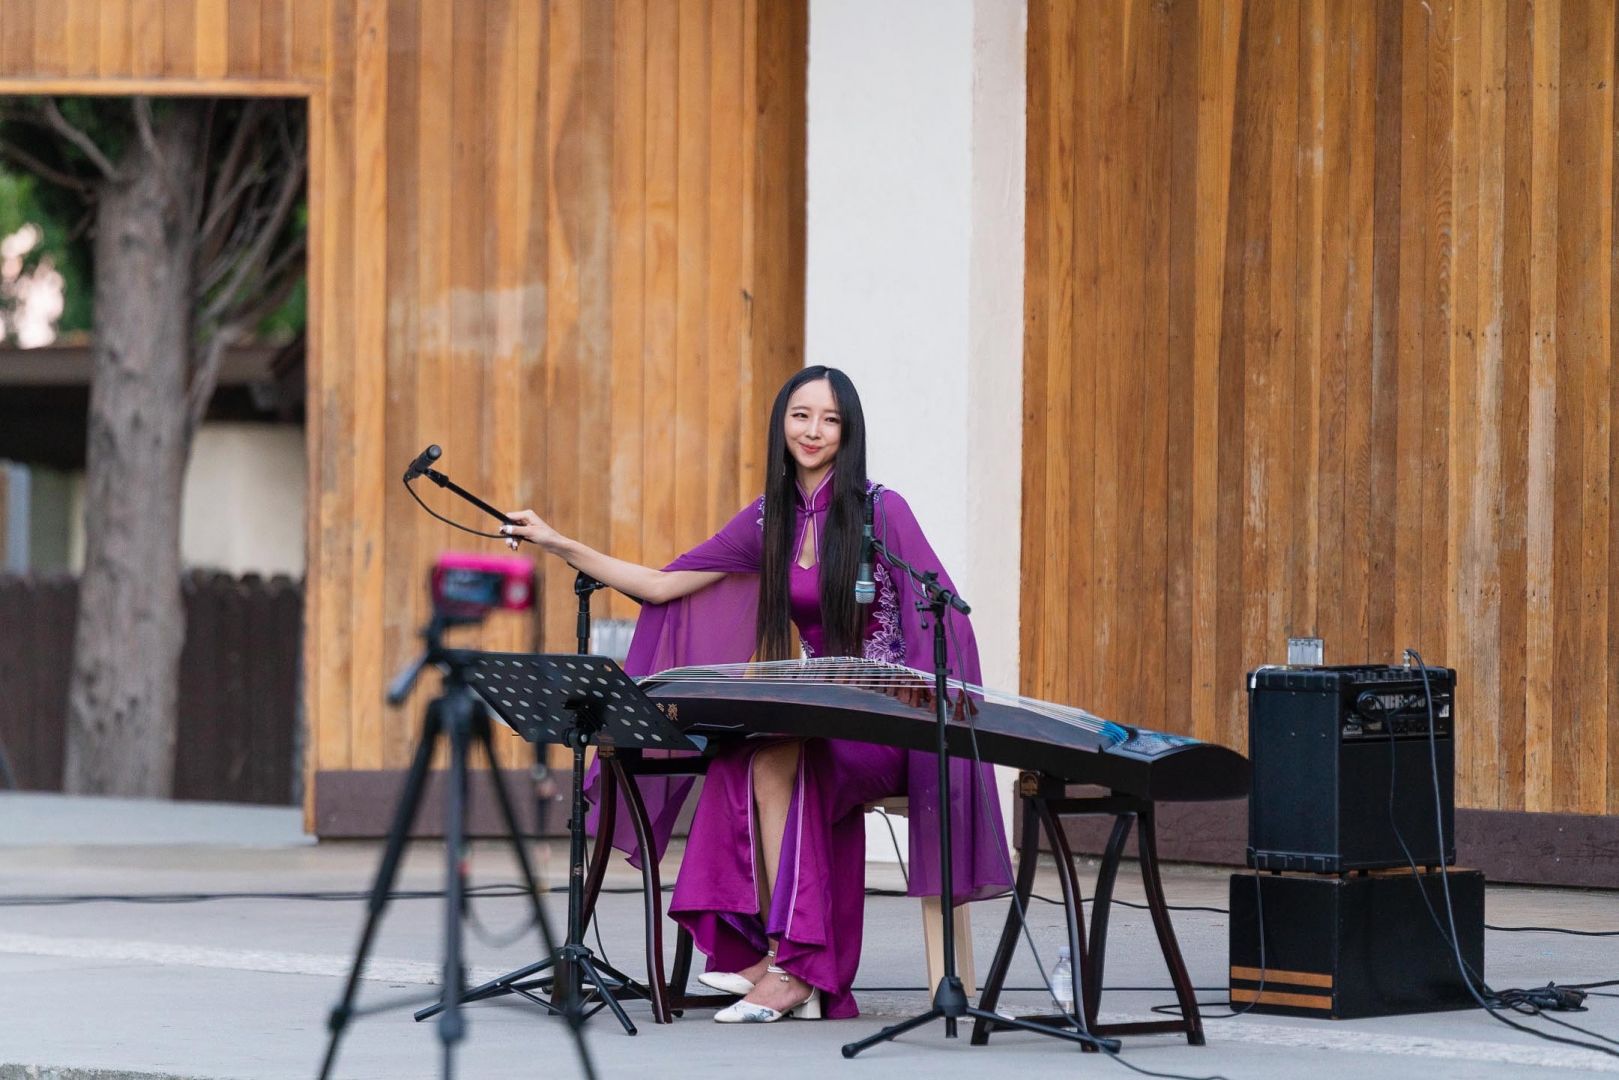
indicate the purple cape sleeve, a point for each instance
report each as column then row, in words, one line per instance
column 979, row 862
column 715, row 625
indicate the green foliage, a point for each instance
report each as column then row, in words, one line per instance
column 49, row 180
column 284, row 323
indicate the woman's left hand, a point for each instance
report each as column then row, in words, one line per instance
column 530, row 526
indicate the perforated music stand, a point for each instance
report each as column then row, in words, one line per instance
column 577, row 701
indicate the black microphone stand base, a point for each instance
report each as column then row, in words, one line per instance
column 600, row 986
column 949, row 997
column 950, row 1005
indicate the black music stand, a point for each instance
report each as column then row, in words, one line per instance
column 456, row 717
column 577, row 701
column 950, row 996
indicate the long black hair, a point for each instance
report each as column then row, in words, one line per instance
column 842, row 620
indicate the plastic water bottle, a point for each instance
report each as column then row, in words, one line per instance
column 1062, row 981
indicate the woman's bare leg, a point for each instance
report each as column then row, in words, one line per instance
column 775, row 772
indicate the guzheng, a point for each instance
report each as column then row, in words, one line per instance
column 883, row 703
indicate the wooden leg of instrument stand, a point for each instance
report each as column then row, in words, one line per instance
column 1107, row 874
column 1074, row 908
column 1190, row 1024
column 681, row 974
column 602, row 850
column 1028, row 863
column 1147, row 844
column 651, row 888
column 1037, row 815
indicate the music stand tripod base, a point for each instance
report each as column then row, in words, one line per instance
column 577, row 701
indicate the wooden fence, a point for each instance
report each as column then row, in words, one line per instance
column 239, row 679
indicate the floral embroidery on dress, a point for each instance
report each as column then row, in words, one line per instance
column 761, row 521
column 886, row 644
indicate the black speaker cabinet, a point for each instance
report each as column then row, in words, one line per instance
column 1345, row 947
column 1329, row 745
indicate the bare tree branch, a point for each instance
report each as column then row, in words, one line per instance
column 222, row 207
column 269, row 291
column 258, row 253
column 172, row 178
column 46, row 172
column 241, row 172
column 78, row 138
column 201, row 390
column 143, row 124
column 199, row 175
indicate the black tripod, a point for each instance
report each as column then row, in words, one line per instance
column 950, row 997
column 577, row 721
column 458, row 716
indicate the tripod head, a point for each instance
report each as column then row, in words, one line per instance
column 465, row 589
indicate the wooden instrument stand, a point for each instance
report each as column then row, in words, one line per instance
column 1045, row 804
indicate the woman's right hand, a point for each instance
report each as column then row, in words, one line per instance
column 530, row 526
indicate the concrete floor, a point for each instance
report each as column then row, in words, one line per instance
column 240, row 988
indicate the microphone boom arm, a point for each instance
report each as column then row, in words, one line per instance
column 445, row 482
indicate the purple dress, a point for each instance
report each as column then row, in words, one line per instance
column 817, row 907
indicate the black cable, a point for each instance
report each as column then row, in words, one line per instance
column 1453, row 938
column 447, row 521
column 1038, row 989
column 1174, row 1008
column 488, row 937
column 499, row 891
column 596, row 924
column 1551, row 930
column 894, row 836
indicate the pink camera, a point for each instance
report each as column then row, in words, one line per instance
column 467, row 586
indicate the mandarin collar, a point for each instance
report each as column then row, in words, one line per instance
column 814, row 502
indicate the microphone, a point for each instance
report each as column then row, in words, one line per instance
column 423, row 462
column 865, row 587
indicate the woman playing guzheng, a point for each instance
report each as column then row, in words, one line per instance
column 772, row 883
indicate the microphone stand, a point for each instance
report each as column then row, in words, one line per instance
column 445, row 482
column 950, row 997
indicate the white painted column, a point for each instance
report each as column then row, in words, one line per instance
column 914, row 275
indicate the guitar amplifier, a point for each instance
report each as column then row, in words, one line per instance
column 1341, row 760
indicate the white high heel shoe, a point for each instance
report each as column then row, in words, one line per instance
column 746, row 1012
column 731, row 982
column 727, row 982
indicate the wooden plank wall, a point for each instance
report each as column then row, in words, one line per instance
column 562, row 239
column 1319, row 310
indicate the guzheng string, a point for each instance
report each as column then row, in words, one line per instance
column 884, row 678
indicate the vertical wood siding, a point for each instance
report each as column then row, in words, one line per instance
column 562, row 239
column 1319, row 340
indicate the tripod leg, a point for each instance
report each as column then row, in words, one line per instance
column 451, row 1024
column 887, row 1033
column 605, row 987
column 398, row 836
column 530, row 881
column 571, row 1005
